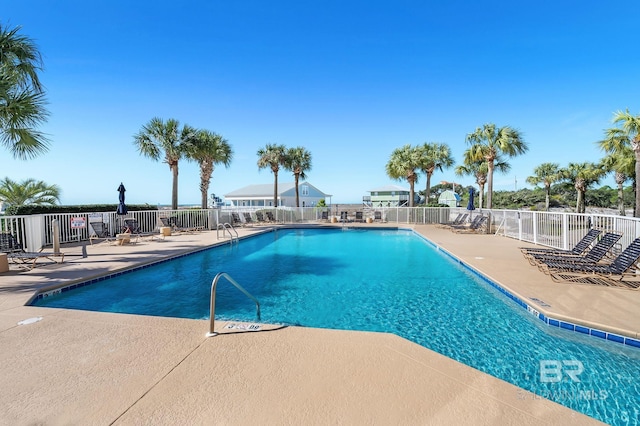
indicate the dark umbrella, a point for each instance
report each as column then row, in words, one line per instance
column 122, row 208
column 470, row 205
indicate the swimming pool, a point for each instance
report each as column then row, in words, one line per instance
column 383, row 280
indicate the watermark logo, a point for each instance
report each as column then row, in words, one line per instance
column 553, row 370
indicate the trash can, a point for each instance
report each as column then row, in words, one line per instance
column 165, row 231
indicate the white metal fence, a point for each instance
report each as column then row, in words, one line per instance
column 554, row 229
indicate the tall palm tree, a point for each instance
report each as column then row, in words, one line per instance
column 488, row 142
column 627, row 133
column 546, row 174
column 28, row 191
column 403, row 164
column 479, row 169
column 622, row 164
column 272, row 156
column 208, row 149
column 166, row 139
column 434, row 156
column 298, row 160
column 582, row 176
column 22, row 100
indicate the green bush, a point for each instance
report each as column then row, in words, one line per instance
column 32, row 209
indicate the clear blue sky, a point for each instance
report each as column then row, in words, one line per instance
column 348, row 80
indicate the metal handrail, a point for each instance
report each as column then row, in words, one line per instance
column 226, row 226
column 212, row 306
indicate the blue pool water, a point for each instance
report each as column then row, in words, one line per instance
column 390, row 281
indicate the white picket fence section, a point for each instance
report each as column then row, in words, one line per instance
column 553, row 229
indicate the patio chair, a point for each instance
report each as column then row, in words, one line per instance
column 235, row 217
column 593, row 255
column 15, row 252
column 173, row 223
column 344, row 216
column 98, row 231
column 260, row 217
column 580, row 247
column 324, row 215
column 164, row 222
column 248, row 220
column 131, row 226
column 359, row 217
column 458, row 222
column 9, row 243
column 377, row 216
column 618, row 273
column 476, row 224
column 270, row 216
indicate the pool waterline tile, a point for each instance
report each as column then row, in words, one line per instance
column 565, row 325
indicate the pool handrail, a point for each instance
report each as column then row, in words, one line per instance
column 212, row 306
column 226, row 226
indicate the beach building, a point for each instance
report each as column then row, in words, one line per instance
column 261, row 195
column 449, row 198
column 387, row 196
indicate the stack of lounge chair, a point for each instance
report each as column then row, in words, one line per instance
column 594, row 254
column 591, row 261
column 622, row 271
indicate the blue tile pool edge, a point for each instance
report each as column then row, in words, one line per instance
column 537, row 312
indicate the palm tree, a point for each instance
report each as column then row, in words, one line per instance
column 159, row 137
column 488, row 142
column 272, row 156
column 298, row 160
column 479, row 169
column 403, row 164
column 434, row 156
column 22, row 100
column 546, row 174
column 626, row 134
column 28, row 191
column 582, row 176
column 622, row 164
column 208, row 149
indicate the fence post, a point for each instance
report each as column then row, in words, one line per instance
column 565, row 231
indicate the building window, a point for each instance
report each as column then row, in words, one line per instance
column 305, row 190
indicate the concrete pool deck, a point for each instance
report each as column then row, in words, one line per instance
column 80, row 367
